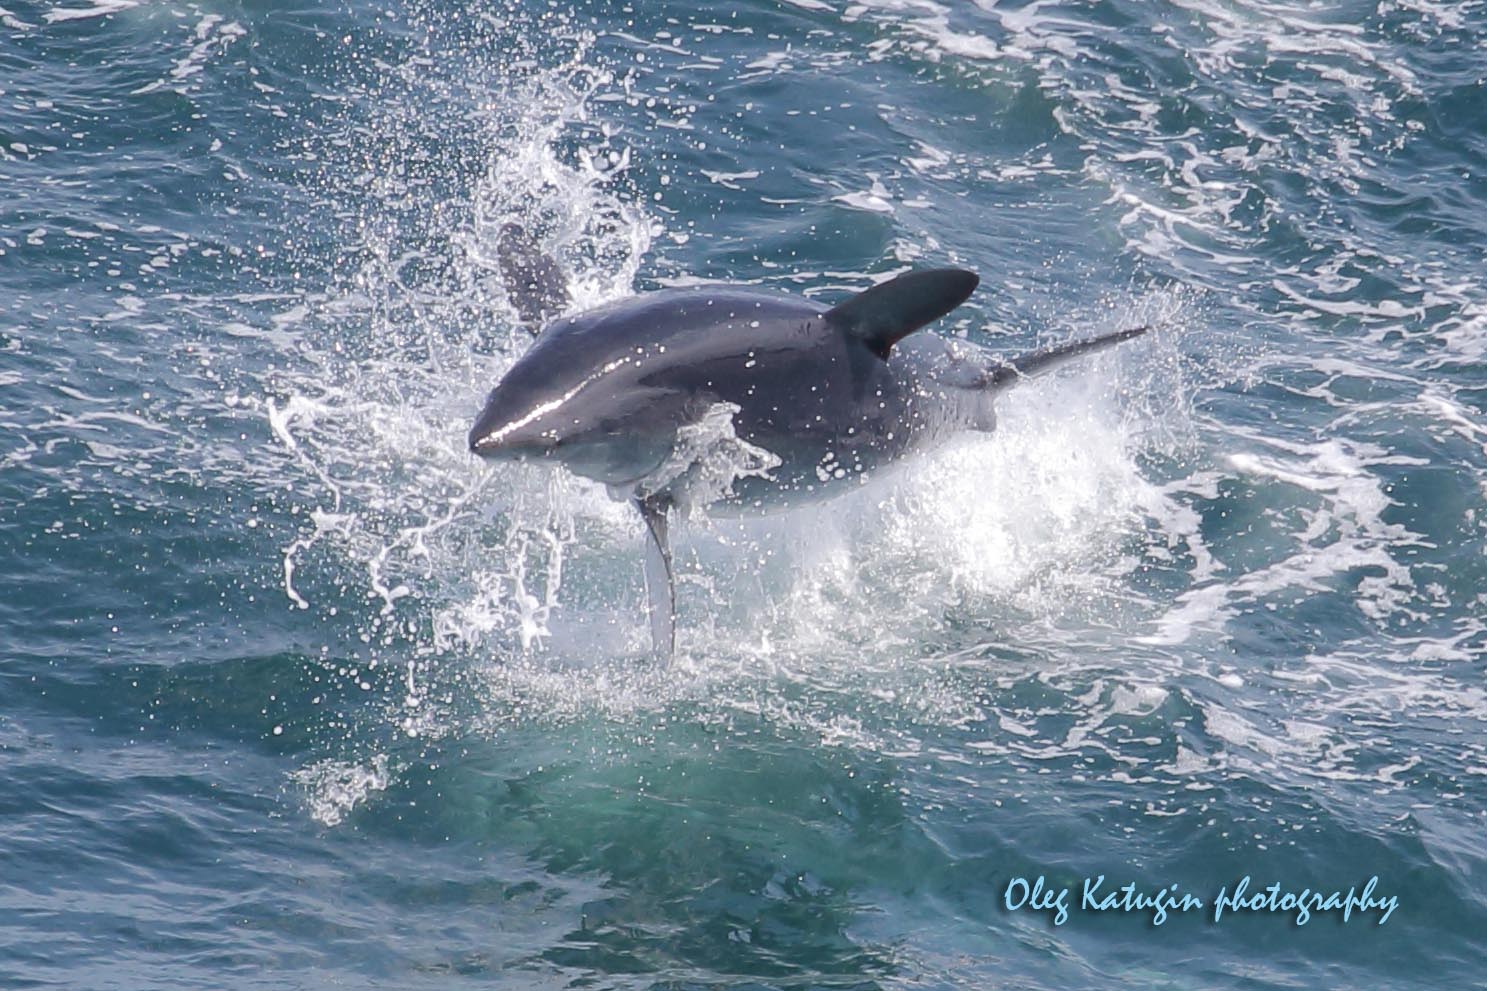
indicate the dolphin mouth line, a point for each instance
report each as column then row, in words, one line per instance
column 489, row 443
column 515, row 456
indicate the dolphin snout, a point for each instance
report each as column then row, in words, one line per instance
column 483, row 445
column 505, row 430
column 513, row 444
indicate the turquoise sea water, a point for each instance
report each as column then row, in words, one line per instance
column 296, row 693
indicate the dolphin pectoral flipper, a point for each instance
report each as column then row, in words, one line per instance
column 1037, row 362
column 660, row 585
column 890, row 311
column 534, row 281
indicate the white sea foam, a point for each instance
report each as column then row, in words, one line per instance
column 875, row 199
column 100, row 8
column 1344, row 531
column 333, row 788
column 706, row 461
column 211, row 36
column 13, row 22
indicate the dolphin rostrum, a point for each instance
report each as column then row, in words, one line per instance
column 748, row 400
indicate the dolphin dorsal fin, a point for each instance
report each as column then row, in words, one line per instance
column 890, row 311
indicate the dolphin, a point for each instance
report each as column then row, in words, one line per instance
column 747, row 400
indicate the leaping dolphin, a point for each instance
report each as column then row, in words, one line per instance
column 802, row 400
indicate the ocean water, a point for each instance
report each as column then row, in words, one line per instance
column 296, row 693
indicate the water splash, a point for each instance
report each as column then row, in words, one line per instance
column 706, row 460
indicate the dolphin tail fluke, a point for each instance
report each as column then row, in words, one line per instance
column 1037, row 362
column 660, row 585
column 533, row 281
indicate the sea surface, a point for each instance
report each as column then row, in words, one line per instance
column 297, row 693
